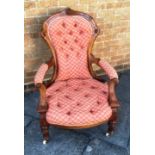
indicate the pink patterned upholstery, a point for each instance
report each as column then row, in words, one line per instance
column 109, row 70
column 40, row 73
column 77, row 102
column 70, row 36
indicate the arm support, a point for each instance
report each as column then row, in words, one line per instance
column 112, row 74
column 112, row 93
column 38, row 80
column 42, row 102
column 109, row 70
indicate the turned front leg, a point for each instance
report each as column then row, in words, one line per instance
column 44, row 127
column 112, row 122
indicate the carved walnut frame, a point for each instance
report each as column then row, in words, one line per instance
column 43, row 106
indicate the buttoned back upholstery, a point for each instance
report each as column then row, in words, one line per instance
column 70, row 36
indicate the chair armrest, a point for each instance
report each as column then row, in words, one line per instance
column 109, row 70
column 42, row 88
column 39, row 77
column 113, row 101
column 112, row 74
column 42, row 101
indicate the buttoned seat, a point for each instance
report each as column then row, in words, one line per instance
column 77, row 102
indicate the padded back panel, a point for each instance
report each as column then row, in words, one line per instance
column 70, row 36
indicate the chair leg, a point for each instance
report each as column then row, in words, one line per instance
column 44, row 127
column 112, row 122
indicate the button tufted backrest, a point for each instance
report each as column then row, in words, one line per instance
column 70, row 37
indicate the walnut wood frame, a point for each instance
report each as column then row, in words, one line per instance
column 43, row 106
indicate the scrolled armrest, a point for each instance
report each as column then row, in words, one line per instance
column 113, row 101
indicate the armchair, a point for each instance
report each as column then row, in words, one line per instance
column 75, row 98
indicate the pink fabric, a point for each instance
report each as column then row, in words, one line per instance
column 40, row 73
column 70, row 36
column 109, row 70
column 77, row 102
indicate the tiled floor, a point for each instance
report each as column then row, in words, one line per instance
column 80, row 142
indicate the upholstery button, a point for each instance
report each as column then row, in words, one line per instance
column 65, row 42
column 68, row 97
column 75, row 24
column 67, row 55
column 67, row 85
column 64, row 25
column 81, row 32
column 91, row 111
column 86, row 95
column 71, row 48
column 83, row 83
column 98, row 102
column 75, row 40
column 93, row 87
column 77, row 54
column 68, row 113
column 59, row 33
column 58, row 105
column 105, row 93
column 76, row 89
column 57, row 90
column 70, row 32
column 49, row 97
column 82, row 47
column 78, row 104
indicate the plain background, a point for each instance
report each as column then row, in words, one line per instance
column 12, row 77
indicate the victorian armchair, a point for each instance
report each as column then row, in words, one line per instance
column 75, row 98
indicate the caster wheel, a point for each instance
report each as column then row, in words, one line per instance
column 45, row 142
column 108, row 134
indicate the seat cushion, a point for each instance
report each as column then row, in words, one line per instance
column 77, row 102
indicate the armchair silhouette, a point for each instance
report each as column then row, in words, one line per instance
column 75, row 98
